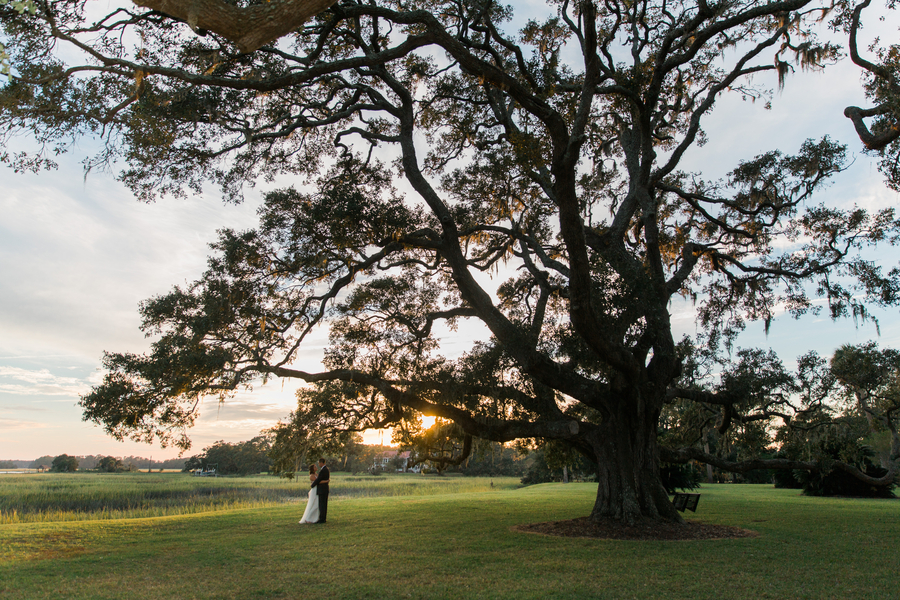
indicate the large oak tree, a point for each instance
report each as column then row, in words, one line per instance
column 456, row 170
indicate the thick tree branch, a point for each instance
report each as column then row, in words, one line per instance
column 250, row 27
column 872, row 141
column 498, row 430
column 683, row 455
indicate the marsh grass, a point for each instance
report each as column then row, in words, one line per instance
column 46, row 497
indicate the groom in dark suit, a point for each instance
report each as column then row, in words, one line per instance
column 321, row 486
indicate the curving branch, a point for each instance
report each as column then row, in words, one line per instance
column 684, row 455
column 872, row 141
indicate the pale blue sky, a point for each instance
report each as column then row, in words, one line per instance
column 78, row 254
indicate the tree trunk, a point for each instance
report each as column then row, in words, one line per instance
column 709, row 467
column 629, row 488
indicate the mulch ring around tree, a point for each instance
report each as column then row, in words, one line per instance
column 583, row 527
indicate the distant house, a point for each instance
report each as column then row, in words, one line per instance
column 383, row 461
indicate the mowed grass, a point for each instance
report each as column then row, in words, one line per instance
column 90, row 496
column 461, row 545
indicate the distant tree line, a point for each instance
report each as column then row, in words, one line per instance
column 240, row 458
column 101, row 462
column 42, row 462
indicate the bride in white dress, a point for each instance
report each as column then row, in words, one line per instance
column 311, row 514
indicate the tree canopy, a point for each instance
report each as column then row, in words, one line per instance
column 455, row 170
column 64, row 464
column 243, row 458
column 110, row 464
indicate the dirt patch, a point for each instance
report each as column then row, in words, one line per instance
column 585, row 528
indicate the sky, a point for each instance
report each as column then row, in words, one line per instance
column 78, row 253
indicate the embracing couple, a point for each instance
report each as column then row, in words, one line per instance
column 317, row 505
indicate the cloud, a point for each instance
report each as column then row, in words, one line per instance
column 263, row 404
column 254, row 425
column 40, row 356
column 41, row 382
column 14, row 424
column 83, row 254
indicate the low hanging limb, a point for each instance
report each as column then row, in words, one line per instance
column 684, row 455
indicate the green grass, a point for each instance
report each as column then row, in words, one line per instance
column 460, row 545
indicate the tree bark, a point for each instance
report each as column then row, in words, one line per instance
column 629, row 488
column 249, row 28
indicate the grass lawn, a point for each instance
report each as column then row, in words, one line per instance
column 459, row 545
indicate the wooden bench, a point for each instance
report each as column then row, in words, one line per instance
column 686, row 501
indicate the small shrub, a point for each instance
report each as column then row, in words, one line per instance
column 679, row 476
column 787, row 479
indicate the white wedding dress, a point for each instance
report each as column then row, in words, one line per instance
column 311, row 514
